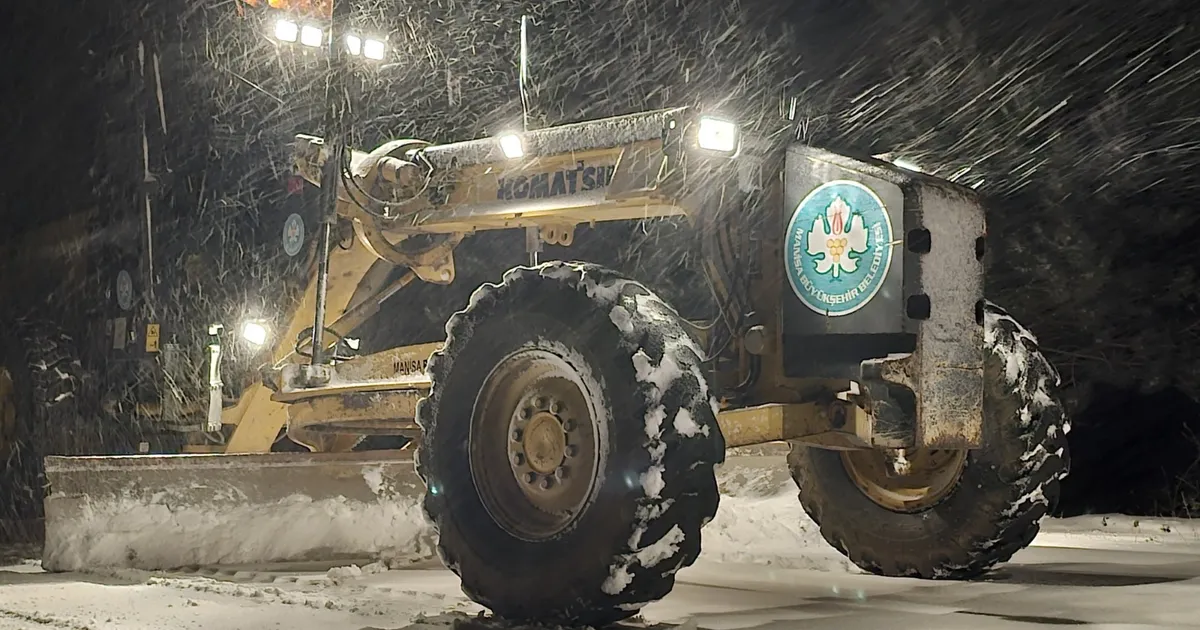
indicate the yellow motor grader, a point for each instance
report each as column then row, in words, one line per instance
column 567, row 426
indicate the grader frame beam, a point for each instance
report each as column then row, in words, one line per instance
column 834, row 426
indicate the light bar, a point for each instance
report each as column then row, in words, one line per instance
column 286, row 30
column 354, row 44
column 311, row 36
column 374, row 49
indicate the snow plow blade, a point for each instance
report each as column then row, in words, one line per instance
column 173, row 511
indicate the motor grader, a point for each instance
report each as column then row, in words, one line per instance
column 568, row 424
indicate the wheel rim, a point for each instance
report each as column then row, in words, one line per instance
column 533, row 444
column 929, row 476
column 8, row 410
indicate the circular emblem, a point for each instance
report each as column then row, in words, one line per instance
column 293, row 235
column 837, row 249
column 124, row 290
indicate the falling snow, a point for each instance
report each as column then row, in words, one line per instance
column 1075, row 122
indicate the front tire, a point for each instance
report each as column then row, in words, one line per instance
column 987, row 502
column 569, row 446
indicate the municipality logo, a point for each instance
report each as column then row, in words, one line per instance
column 838, row 247
column 293, row 234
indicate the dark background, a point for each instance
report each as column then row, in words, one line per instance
column 1077, row 120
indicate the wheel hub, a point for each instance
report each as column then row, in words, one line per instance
column 905, row 481
column 544, row 443
column 550, row 446
column 540, row 436
column 8, row 410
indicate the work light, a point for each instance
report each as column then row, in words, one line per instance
column 717, row 135
column 286, row 30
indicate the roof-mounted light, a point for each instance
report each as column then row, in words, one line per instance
column 311, row 36
column 286, row 30
column 717, row 135
column 374, row 49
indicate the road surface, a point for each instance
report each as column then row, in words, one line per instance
column 757, row 572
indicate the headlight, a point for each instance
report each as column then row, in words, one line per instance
column 512, row 147
column 255, row 333
column 286, row 30
column 354, row 45
column 717, row 135
column 311, row 36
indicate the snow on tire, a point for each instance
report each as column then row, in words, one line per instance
column 997, row 500
column 574, row 350
column 47, row 378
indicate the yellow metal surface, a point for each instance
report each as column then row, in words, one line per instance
column 922, row 478
column 374, row 394
column 414, row 359
column 401, row 368
column 414, row 383
column 257, row 417
column 384, row 412
column 407, row 362
column 258, row 424
column 470, row 204
column 811, row 423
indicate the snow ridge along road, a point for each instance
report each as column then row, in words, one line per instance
column 764, row 565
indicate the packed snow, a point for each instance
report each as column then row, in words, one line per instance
column 764, row 565
column 131, row 533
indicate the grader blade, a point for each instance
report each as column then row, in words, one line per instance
column 172, row 511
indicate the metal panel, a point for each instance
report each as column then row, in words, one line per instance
column 950, row 341
column 919, row 331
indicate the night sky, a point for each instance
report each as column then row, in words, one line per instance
column 1077, row 120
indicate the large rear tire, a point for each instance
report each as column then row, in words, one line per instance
column 963, row 512
column 569, row 446
column 41, row 384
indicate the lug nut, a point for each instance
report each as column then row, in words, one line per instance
column 571, row 450
column 556, row 407
column 525, row 413
column 560, row 473
column 518, row 459
column 530, row 477
column 516, row 435
column 547, row 483
column 568, row 425
column 539, row 402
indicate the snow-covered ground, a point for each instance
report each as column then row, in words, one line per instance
column 764, row 566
